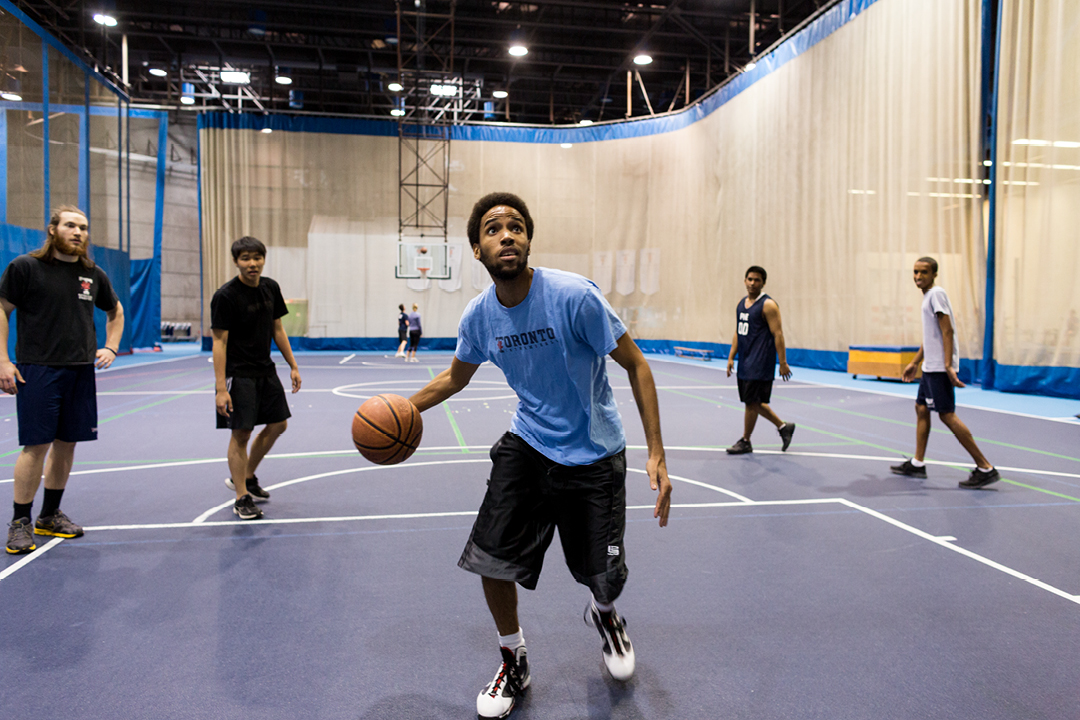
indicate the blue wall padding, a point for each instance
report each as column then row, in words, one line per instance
column 356, row 344
column 1056, row 381
column 117, row 265
column 144, row 314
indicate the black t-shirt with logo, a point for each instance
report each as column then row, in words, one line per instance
column 54, row 309
column 248, row 313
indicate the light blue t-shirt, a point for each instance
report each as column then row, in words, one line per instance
column 552, row 348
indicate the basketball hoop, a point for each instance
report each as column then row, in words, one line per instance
column 423, row 261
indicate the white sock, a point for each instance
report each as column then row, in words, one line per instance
column 512, row 642
column 603, row 607
column 917, row 463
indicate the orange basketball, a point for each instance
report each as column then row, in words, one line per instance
column 387, row 429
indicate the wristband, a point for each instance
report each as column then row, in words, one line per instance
column 110, row 350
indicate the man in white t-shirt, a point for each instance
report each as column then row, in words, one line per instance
column 940, row 357
column 563, row 463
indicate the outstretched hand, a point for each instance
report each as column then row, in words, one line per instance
column 658, row 480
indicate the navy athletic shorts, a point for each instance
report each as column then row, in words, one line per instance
column 402, row 334
column 256, row 401
column 936, row 392
column 755, row 391
column 57, row 402
column 528, row 497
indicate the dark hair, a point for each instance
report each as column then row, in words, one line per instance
column 759, row 270
column 929, row 261
column 247, row 244
column 401, row 308
column 492, row 200
column 45, row 252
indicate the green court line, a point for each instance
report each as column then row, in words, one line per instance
column 148, row 406
column 863, row 442
column 450, row 417
column 155, row 381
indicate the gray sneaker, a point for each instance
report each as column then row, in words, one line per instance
column 253, row 488
column 20, row 537
column 57, row 525
column 245, row 509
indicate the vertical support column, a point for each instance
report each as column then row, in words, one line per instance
column 120, row 173
column 753, row 27
column 127, row 173
column 991, row 32
column 45, row 128
column 3, row 166
column 629, row 94
column 84, row 150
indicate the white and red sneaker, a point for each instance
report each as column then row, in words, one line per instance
column 500, row 695
column 618, row 651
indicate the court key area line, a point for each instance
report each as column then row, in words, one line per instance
column 34, row 555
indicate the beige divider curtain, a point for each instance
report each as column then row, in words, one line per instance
column 835, row 173
column 1037, row 317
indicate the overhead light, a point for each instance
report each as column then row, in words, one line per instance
column 500, row 94
column 519, row 50
column 12, row 97
column 106, row 20
column 988, row 163
column 585, row 122
column 266, row 131
column 281, row 79
column 443, row 90
column 567, row 145
column 397, row 112
column 187, row 93
column 749, row 66
column 642, row 59
column 158, row 72
column 235, row 77
column 395, row 87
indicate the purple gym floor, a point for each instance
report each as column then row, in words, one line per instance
column 806, row 584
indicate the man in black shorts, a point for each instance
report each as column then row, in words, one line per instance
column 245, row 314
column 759, row 338
column 55, row 289
column 940, row 358
column 562, row 464
column 402, row 331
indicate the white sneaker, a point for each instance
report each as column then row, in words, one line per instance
column 500, row 695
column 618, row 652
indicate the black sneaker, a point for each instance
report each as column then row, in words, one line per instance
column 981, row 478
column 906, row 468
column 253, row 488
column 20, row 537
column 245, row 509
column 786, row 431
column 618, row 651
column 741, row 447
column 499, row 696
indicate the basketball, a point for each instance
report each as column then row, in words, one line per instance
column 423, row 250
column 387, row 429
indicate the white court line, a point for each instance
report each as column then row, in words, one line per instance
column 346, row 359
column 366, row 468
column 10, row 569
column 737, row 496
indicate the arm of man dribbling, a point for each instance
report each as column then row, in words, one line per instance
column 9, row 374
column 629, row 356
column 449, row 382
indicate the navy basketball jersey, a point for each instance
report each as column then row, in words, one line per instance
column 757, row 349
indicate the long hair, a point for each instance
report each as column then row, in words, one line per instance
column 45, row 252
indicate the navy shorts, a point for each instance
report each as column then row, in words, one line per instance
column 755, row 391
column 528, row 497
column 936, row 393
column 402, row 334
column 57, row 402
column 256, row 401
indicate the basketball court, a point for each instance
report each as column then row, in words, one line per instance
column 810, row 583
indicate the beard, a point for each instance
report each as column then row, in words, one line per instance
column 501, row 272
column 65, row 247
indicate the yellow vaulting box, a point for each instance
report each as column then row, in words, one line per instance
column 881, row 361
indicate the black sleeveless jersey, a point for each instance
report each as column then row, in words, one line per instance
column 757, row 349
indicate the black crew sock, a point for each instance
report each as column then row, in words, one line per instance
column 51, row 503
column 22, row 510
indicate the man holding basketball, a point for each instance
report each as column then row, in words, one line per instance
column 245, row 313
column 562, row 464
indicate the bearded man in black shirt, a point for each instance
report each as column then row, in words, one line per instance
column 245, row 314
column 55, row 290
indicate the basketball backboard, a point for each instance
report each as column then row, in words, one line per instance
column 418, row 260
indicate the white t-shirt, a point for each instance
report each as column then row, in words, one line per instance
column 935, row 301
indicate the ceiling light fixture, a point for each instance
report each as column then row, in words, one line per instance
column 235, row 77
column 500, row 94
column 106, row 20
column 642, row 59
column 157, row 72
column 749, row 66
column 585, row 122
column 395, row 87
column 519, row 50
column 443, row 90
column 11, row 97
column 397, row 112
column 282, row 77
column 267, row 131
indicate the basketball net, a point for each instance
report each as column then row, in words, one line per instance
column 423, row 263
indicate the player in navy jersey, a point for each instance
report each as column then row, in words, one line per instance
column 562, row 464
column 759, row 339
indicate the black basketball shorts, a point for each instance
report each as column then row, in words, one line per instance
column 414, row 340
column 256, row 401
column 528, row 497
column 755, row 391
column 936, row 392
